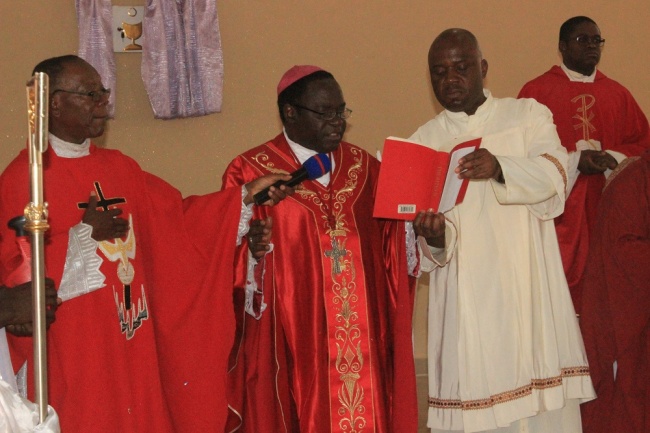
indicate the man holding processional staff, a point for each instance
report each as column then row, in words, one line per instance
column 144, row 274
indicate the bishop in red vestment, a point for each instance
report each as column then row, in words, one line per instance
column 592, row 113
column 325, row 342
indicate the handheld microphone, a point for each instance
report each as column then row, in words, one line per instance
column 313, row 168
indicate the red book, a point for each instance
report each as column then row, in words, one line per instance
column 414, row 177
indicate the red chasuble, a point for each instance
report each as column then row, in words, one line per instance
column 615, row 318
column 332, row 352
column 148, row 351
column 604, row 111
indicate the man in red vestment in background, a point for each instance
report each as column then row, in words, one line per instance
column 599, row 123
column 324, row 333
column 615, row 318
column 143, row 334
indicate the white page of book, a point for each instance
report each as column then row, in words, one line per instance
column 452, row 182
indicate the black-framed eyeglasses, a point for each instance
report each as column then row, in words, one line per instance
column 586, row 40
column 328, row 115
column 95, row 95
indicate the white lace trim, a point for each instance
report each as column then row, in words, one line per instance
column 245, row 218
column 251, row 283
column 21, row 380
column 81, row 274
column 251, row 287
column 412, row 259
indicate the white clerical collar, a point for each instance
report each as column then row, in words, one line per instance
column 65, row 149
column 577, row 76
column 303, row 154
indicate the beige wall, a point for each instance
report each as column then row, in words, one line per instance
column 376, row 50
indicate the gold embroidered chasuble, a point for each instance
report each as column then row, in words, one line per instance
column 330, row 297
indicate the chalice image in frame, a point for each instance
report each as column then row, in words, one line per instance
column 133, row 32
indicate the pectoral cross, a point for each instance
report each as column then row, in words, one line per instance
column 336, row 253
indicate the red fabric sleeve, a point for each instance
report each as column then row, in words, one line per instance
column 196, row 325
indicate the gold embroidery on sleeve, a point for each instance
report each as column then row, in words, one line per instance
column 619, row 168
column 558, row 166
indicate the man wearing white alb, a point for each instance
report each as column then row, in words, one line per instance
column 505, row 352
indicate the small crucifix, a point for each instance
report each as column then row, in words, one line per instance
column 336, row 253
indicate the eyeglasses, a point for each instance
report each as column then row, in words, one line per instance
column 328, row 115
column 586, row 40
column 95, row 95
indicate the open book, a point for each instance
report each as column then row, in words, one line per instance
column 414, row 177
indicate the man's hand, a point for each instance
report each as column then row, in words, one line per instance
column 480, row 164
column 596, row 162
column 275, row 194
column 430, row 226
column 259, row 237
column 16, row 307
column 106, row 224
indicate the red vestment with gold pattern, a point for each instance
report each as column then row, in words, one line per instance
column 332, row 352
